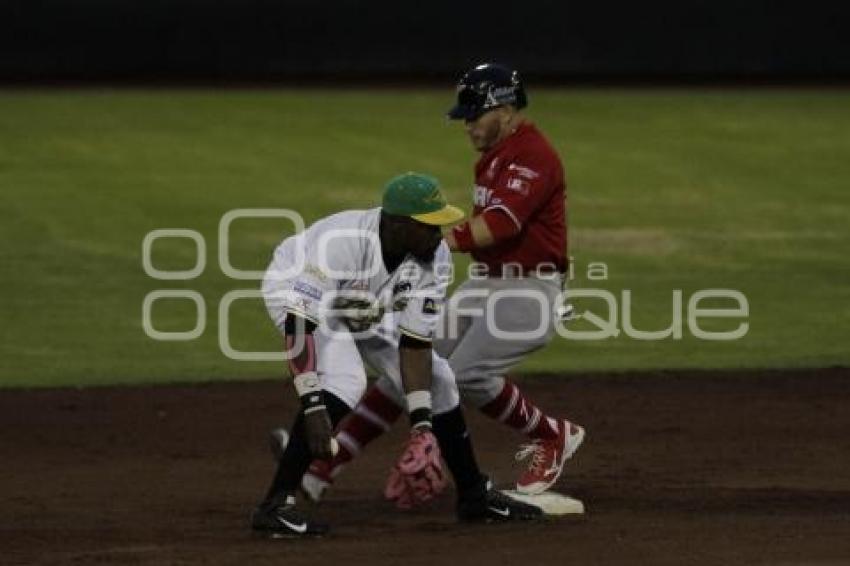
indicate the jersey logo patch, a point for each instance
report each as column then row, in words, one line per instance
column 308, row 290
column 523, row 171
column 313, row 270
column 519, row 185
column 429, row 306
column 481, row 196
column 402, row 287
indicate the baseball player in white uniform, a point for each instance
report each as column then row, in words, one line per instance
column 517, row 236
column 367, row 286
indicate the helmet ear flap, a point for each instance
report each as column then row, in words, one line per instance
column 521, row 99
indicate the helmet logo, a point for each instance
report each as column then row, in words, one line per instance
column 486, row 87
column 500, row 95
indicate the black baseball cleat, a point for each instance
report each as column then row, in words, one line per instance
column 278, row 518
column 495, row 506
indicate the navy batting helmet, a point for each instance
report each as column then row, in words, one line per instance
column 486, row 87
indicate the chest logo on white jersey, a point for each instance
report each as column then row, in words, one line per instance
column 402, row 287
column 401, row 292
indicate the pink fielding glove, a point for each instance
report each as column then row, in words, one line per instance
column 418, row 475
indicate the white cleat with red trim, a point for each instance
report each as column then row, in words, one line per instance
column 548, row 458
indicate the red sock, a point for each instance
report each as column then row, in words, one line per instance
column 512, row 408
column 371, row 418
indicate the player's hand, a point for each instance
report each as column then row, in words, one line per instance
column 450, row 239
column 318, row 429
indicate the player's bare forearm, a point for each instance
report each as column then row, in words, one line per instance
column 415, row 357
column 415, row 366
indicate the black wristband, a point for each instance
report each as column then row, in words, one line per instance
column 312, row 401
column 420, row 418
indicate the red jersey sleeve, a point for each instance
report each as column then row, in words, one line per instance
column 523, row 186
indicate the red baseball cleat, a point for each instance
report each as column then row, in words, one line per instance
column 548, row 458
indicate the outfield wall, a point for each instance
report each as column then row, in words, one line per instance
column 288, row 40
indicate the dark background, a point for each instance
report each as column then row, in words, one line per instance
column 345, row 40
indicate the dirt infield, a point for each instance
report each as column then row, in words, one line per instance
column 732, row 468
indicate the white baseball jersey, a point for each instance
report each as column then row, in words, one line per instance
column 334, row 271
column 337, row 264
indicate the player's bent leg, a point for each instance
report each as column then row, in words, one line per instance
column 319, row 475
column 342, row 377
column 476, row 500
column 376, row 412
column 370, row 418
column 479, row 363
column 481, row 385
column 277, row 515
column 553, row 441
column 373, row 416
column 503, row 401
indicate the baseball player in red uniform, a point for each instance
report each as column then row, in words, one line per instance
column 517, row 235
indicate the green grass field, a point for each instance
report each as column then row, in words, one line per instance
column 686, row 190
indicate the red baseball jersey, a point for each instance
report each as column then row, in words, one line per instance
column 523, row 177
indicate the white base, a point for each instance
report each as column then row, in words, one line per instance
column 550, row 502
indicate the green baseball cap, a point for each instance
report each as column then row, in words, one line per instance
column 418, row 196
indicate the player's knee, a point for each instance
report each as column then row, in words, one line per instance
column 347, row 388
column 336, row 407
column 481, row 389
